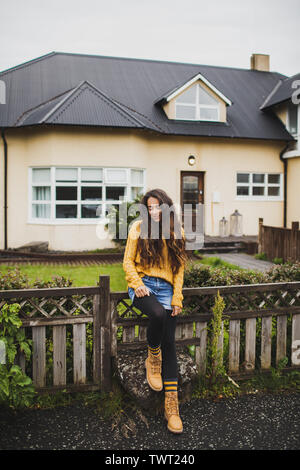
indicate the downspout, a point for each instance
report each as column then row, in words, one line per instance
column 5, row 187
column 285, row 163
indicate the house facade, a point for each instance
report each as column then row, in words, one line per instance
column 82, row 133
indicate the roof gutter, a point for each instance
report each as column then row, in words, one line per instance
column 285, row 163
column 5, row 187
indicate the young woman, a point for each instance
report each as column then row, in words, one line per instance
column 154, row 269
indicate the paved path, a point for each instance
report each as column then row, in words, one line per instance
column 260, row 422
column 243, row 260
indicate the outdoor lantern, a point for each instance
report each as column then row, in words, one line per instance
column 236, row 224
column 223, row 227
column 191, row 160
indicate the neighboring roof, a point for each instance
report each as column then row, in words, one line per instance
column 113, row 91
column 172, row 94
column 282, row 91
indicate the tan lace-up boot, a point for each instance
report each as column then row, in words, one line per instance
column 172, row 412
column 153, row 371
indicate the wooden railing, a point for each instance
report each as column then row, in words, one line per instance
column 260, row 327
column 279, row 242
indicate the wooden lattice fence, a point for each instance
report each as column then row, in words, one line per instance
column 76, row 332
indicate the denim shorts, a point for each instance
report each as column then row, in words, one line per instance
column 161, row 288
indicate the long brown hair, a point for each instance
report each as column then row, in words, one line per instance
column 151, row 248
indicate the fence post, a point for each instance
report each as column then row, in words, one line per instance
column 260, row 235
column 102, row 335
column 295, row 228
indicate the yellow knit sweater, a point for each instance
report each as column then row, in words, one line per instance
column 134, row 271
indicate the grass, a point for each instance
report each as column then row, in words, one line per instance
column 89, row 275
column 80, row 275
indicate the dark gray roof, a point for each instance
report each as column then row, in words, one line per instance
column 282, row 91
column 78, row 89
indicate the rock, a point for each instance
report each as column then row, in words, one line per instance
column 34, row 247
column 129, row 367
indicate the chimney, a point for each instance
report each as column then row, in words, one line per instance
column 260, row 62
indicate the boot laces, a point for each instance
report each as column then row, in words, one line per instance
column 155, row 364
column 172, row 404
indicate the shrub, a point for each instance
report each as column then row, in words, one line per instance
column 16, row 389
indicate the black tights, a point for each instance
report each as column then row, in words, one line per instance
column 160, row 332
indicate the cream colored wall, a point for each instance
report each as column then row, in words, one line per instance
column 169, row 107
column 162, row 156
column 293, row 191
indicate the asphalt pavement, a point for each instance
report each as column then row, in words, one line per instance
column 250, row 422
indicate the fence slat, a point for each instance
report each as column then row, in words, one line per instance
column 250, row 343
column 128, row 334
column 200, row 351
column 79, row 353
column 234, row 345
column 266, row 336
column 142, row 333
column 188, row 330
column 59, row 355
column 281, row 338
column 296, row 340
column 39, row 356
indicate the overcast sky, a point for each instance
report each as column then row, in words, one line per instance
column 212, row 32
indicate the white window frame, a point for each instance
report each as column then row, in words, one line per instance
column 103, row 202
column 250, row 184
column 198, row 107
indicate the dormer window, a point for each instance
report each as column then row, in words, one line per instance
column 197, row 104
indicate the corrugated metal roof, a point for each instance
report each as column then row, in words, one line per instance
column 282, row 91
column 120, row 90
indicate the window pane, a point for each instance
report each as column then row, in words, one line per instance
column 66, row 174
column 41, row 211
column 93, row 175
column 91, row 211
column 209, row 114
column 116, row 175
column 274, row 179
column 258, row 178
column 65, row 211
column 190, row 190
column 137, row 177
column 242, row 191
column 258, row 190
column 111, row 208
column 243, row 177
column 66, row 193
column 205, row 97
column 91, row 193
column 41, row 175
column 115, row 193
column 185, row 112
column 135, row 192
column 273, row 191
column 41, row 193
column 188, row 96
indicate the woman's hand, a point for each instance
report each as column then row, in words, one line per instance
column 176, row 310
column 141, row 291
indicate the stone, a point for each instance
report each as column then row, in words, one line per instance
column 129, row 368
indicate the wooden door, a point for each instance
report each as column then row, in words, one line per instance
column 192, row 192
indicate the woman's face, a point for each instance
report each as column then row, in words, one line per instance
column 153, row 208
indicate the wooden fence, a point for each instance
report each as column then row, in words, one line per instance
column 279, row 242
column 75, row 327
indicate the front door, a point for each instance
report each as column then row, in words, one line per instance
column 192, row 192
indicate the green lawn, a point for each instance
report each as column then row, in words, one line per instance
column 89, row 275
